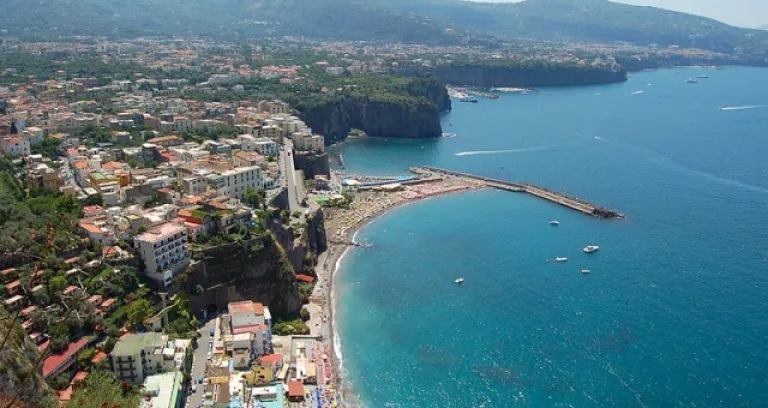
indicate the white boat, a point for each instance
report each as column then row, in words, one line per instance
column 554, row 223
column 561, row 259
column 591, row 248
column 585, row 271
column 459, row 280
column 691, row 81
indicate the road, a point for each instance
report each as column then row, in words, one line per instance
column 199, row 361
column 295, row 188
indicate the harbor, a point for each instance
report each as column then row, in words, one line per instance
column 541, row 192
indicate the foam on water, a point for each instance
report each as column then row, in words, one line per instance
column 748, row 107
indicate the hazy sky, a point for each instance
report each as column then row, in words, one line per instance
column 743, row 13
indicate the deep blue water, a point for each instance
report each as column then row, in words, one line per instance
column 675, row 311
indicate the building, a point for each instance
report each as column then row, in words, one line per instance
column 305, row 141
column 235, row 182
column 137, row 356
column 266, row 146
column 163, row 391
column 253, row 319
column 163, row 249
column 15, row 146
column 59, row 363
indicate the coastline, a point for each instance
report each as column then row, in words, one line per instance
column 342, row 226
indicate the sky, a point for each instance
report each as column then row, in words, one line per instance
column 742, row 13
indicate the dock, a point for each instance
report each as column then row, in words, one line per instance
column 538, row 191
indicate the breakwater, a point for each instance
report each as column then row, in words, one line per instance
column 538, row 191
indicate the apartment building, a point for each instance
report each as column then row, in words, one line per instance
column 137, row 356
column 235, row 182
column 305, row 141
column 163, row 249
column 15, row 146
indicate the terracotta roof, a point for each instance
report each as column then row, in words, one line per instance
column 72, row 260
column 81, row 165
column 271, row 359
column 99, row 357
column 90, row 227
column 55, row 361
column 28, row 310
column 109, row 302
column 80, row 376
column 250, row 328
column 7, row 271
column 70, row 289
column 305, row 278
column 295, row 389
column 13, row 284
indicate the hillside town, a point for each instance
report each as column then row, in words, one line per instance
column 159, row 177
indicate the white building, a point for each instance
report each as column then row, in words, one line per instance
column 163, row 391
column 235, row 182
column 305, row 141
column 164, row 251
column 15, row 146
column 137, row 356
column 266, row 147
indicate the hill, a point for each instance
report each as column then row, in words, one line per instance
column 410, row 21
column 590, row 21
column 225, row 20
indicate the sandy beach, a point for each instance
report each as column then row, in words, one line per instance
column 341, row 226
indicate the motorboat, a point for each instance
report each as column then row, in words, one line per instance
column 585, row 271
column 591, row 248
column 702, row 77
column 561, row 259
column 459, row 280
column 691, row 81
column 554, row 223
column 468, row 98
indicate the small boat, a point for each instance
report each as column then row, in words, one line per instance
column 468, row 98
column 459, row 280
column 702, row 77
column 561, row 259
column 554, row 223
column 691, row 81
column 585, row 271
column 591, row 248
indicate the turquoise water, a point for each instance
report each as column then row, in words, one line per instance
column 675, row 311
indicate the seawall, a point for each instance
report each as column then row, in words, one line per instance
column 538, row 191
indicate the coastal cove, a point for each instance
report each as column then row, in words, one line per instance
column 673, row 311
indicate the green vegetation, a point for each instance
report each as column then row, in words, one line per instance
column 138, row 311
column 48, row 147
column 287, row 328
column 102, row 389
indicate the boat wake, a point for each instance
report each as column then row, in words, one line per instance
column 637, row 92
column 507, row 151
column 737, row 108
column 707, row 176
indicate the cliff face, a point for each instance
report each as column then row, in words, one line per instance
column 16, row 359
column 498, row 76
column 376, row 118
column 255, row 270
column 312, row 164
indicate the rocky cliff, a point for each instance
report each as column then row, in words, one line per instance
column 312, row 164
column 255, row 270
column 410, row 108
column 380, row 118
column 16, row 359
column 488, row 76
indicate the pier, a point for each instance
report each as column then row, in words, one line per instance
column 541, row 192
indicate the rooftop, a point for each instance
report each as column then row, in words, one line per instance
column 55, row 361
column 160, row 232
column 245, row 306
column 134, row 343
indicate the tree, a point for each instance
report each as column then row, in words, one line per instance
column 84, row 359
column 138, row 311
column 94, row 199
column 59, row 333
column 255, row 198
column 57, row 284
column 102, row 389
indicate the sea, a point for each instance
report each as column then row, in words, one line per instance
column 675, row 310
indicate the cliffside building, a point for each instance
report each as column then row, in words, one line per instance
column 163, row 249
column 137, row 356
